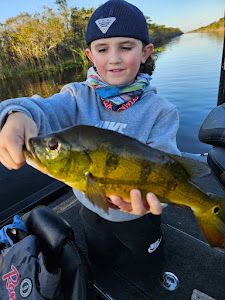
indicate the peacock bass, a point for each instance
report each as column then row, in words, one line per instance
column 102, row 162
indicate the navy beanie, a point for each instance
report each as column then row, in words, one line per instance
column 117, row 18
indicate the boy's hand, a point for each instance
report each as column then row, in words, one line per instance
column 14, row 134
column 137, row 206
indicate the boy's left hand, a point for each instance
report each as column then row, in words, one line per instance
column 137, row 205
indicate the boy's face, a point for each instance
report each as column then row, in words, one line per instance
column 118, row 59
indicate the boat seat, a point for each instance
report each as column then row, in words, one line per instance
column 216, row 161
column 212, row 132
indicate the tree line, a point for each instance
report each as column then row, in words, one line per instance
column 217, row 26
column 52, row 40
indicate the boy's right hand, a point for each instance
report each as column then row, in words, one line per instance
column 14, row 134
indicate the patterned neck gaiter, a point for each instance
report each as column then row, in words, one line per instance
column 114, row 97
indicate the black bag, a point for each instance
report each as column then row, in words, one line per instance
column 46, row 264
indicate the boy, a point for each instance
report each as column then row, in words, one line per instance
column 117, row 96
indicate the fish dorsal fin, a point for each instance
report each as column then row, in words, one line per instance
column 194, row 167
column 95, row 193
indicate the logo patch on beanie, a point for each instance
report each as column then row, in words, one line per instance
column 105, row 23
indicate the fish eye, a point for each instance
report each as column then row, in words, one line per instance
column 53, row 144
column 216, row 210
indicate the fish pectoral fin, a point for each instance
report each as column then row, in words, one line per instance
column 95, row 192
column 194, row 167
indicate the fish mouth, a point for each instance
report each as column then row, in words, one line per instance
column 29, row 153
column 33, row 160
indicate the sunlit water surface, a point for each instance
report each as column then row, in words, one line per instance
column 187, row 74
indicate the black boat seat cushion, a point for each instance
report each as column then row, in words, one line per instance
column 212, row 130
column 216, row 161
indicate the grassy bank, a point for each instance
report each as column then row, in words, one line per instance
column 51, row 42
column 12, row 70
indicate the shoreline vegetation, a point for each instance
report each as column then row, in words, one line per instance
column 217, row 26
column 49, row 42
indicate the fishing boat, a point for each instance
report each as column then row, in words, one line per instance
column 192, row 270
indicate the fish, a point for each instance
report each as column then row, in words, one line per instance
column 101, row 162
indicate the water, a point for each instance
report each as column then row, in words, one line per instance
column 187, row 74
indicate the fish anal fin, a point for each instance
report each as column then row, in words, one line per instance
column 95, row 193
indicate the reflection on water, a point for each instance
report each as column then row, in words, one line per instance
column 187, row 74
column 43, row 85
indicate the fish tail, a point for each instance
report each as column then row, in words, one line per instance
column 212, row 222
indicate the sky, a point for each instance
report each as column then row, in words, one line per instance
column 184, row 14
